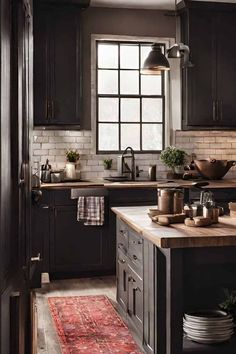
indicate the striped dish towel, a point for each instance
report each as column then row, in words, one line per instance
column 91, row 210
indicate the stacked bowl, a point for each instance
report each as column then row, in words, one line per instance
column 208, row 326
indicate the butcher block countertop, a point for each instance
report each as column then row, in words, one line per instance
column 224, row 183
column 178, row 235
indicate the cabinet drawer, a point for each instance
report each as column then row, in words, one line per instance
column 135, row 249
column 135, row 252
column 63, row 197
column 122, row 236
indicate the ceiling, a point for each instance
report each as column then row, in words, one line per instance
column 143, row 4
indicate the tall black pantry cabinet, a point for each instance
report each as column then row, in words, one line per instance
column 15, row 122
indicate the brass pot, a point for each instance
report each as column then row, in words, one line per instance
column 213, row 169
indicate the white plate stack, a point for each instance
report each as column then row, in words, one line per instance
column 208, row 326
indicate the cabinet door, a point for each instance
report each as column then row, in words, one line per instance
column 75, row 247
column 226, row 68
column 135, row 300
column 41, row 66
column 65, row 67
column 122, row 279
column 56, row 65
column 199, row 95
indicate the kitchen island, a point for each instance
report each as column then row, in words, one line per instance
column 163, row 272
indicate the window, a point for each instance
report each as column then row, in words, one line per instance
column 130, row 106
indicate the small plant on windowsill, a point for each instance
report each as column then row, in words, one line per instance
column 173, row 158
column 107, row 163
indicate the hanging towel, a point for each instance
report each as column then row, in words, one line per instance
column 91, row 210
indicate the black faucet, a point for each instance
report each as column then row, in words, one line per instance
column 129, row 153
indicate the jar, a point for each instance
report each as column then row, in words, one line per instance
column 170, row 201
column 178, row 202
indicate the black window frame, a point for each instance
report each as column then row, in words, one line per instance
column 140, row 96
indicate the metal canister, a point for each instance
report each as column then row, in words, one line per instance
column 166, row 200
column 170, row 201
column 178, row 202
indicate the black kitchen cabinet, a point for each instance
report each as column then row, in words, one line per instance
column 209, row 86
column 68, row 247
column 57, row 69
column 75, row 247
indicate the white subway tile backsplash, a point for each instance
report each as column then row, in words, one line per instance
column 53, row 145
column 40, row 152
column 213, row 144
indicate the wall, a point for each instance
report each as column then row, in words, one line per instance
column 53, row 145
column 214, row 144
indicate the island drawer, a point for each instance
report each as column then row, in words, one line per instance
column 135, row 245
column 135, row 252
column 122, row 236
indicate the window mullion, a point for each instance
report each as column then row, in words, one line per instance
column 119, row 109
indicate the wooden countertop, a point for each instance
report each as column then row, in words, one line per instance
column 178, row 235
column 224, row 183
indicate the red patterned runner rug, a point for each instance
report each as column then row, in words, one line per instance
column 90, row 325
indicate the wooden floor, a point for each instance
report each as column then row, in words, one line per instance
column 47, row 340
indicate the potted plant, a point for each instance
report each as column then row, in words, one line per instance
column 229, row 303
column 174, row 158
column 72, row 156
column 107, row 164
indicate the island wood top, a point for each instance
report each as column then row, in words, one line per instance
column 178, row 235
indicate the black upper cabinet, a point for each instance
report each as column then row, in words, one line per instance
column 57, row 79
column 209, row 87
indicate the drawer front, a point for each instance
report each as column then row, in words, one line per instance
column 135, row 252
column 63, row 197
column 122, row 235
column 133, row 196
column 135, row 248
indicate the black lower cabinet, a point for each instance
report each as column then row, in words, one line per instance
column 75, row 247
column 135, row 274
column 69, row 248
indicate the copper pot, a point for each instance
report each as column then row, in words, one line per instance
column 213, row 169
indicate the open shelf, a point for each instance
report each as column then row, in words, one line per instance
column 190, row 347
